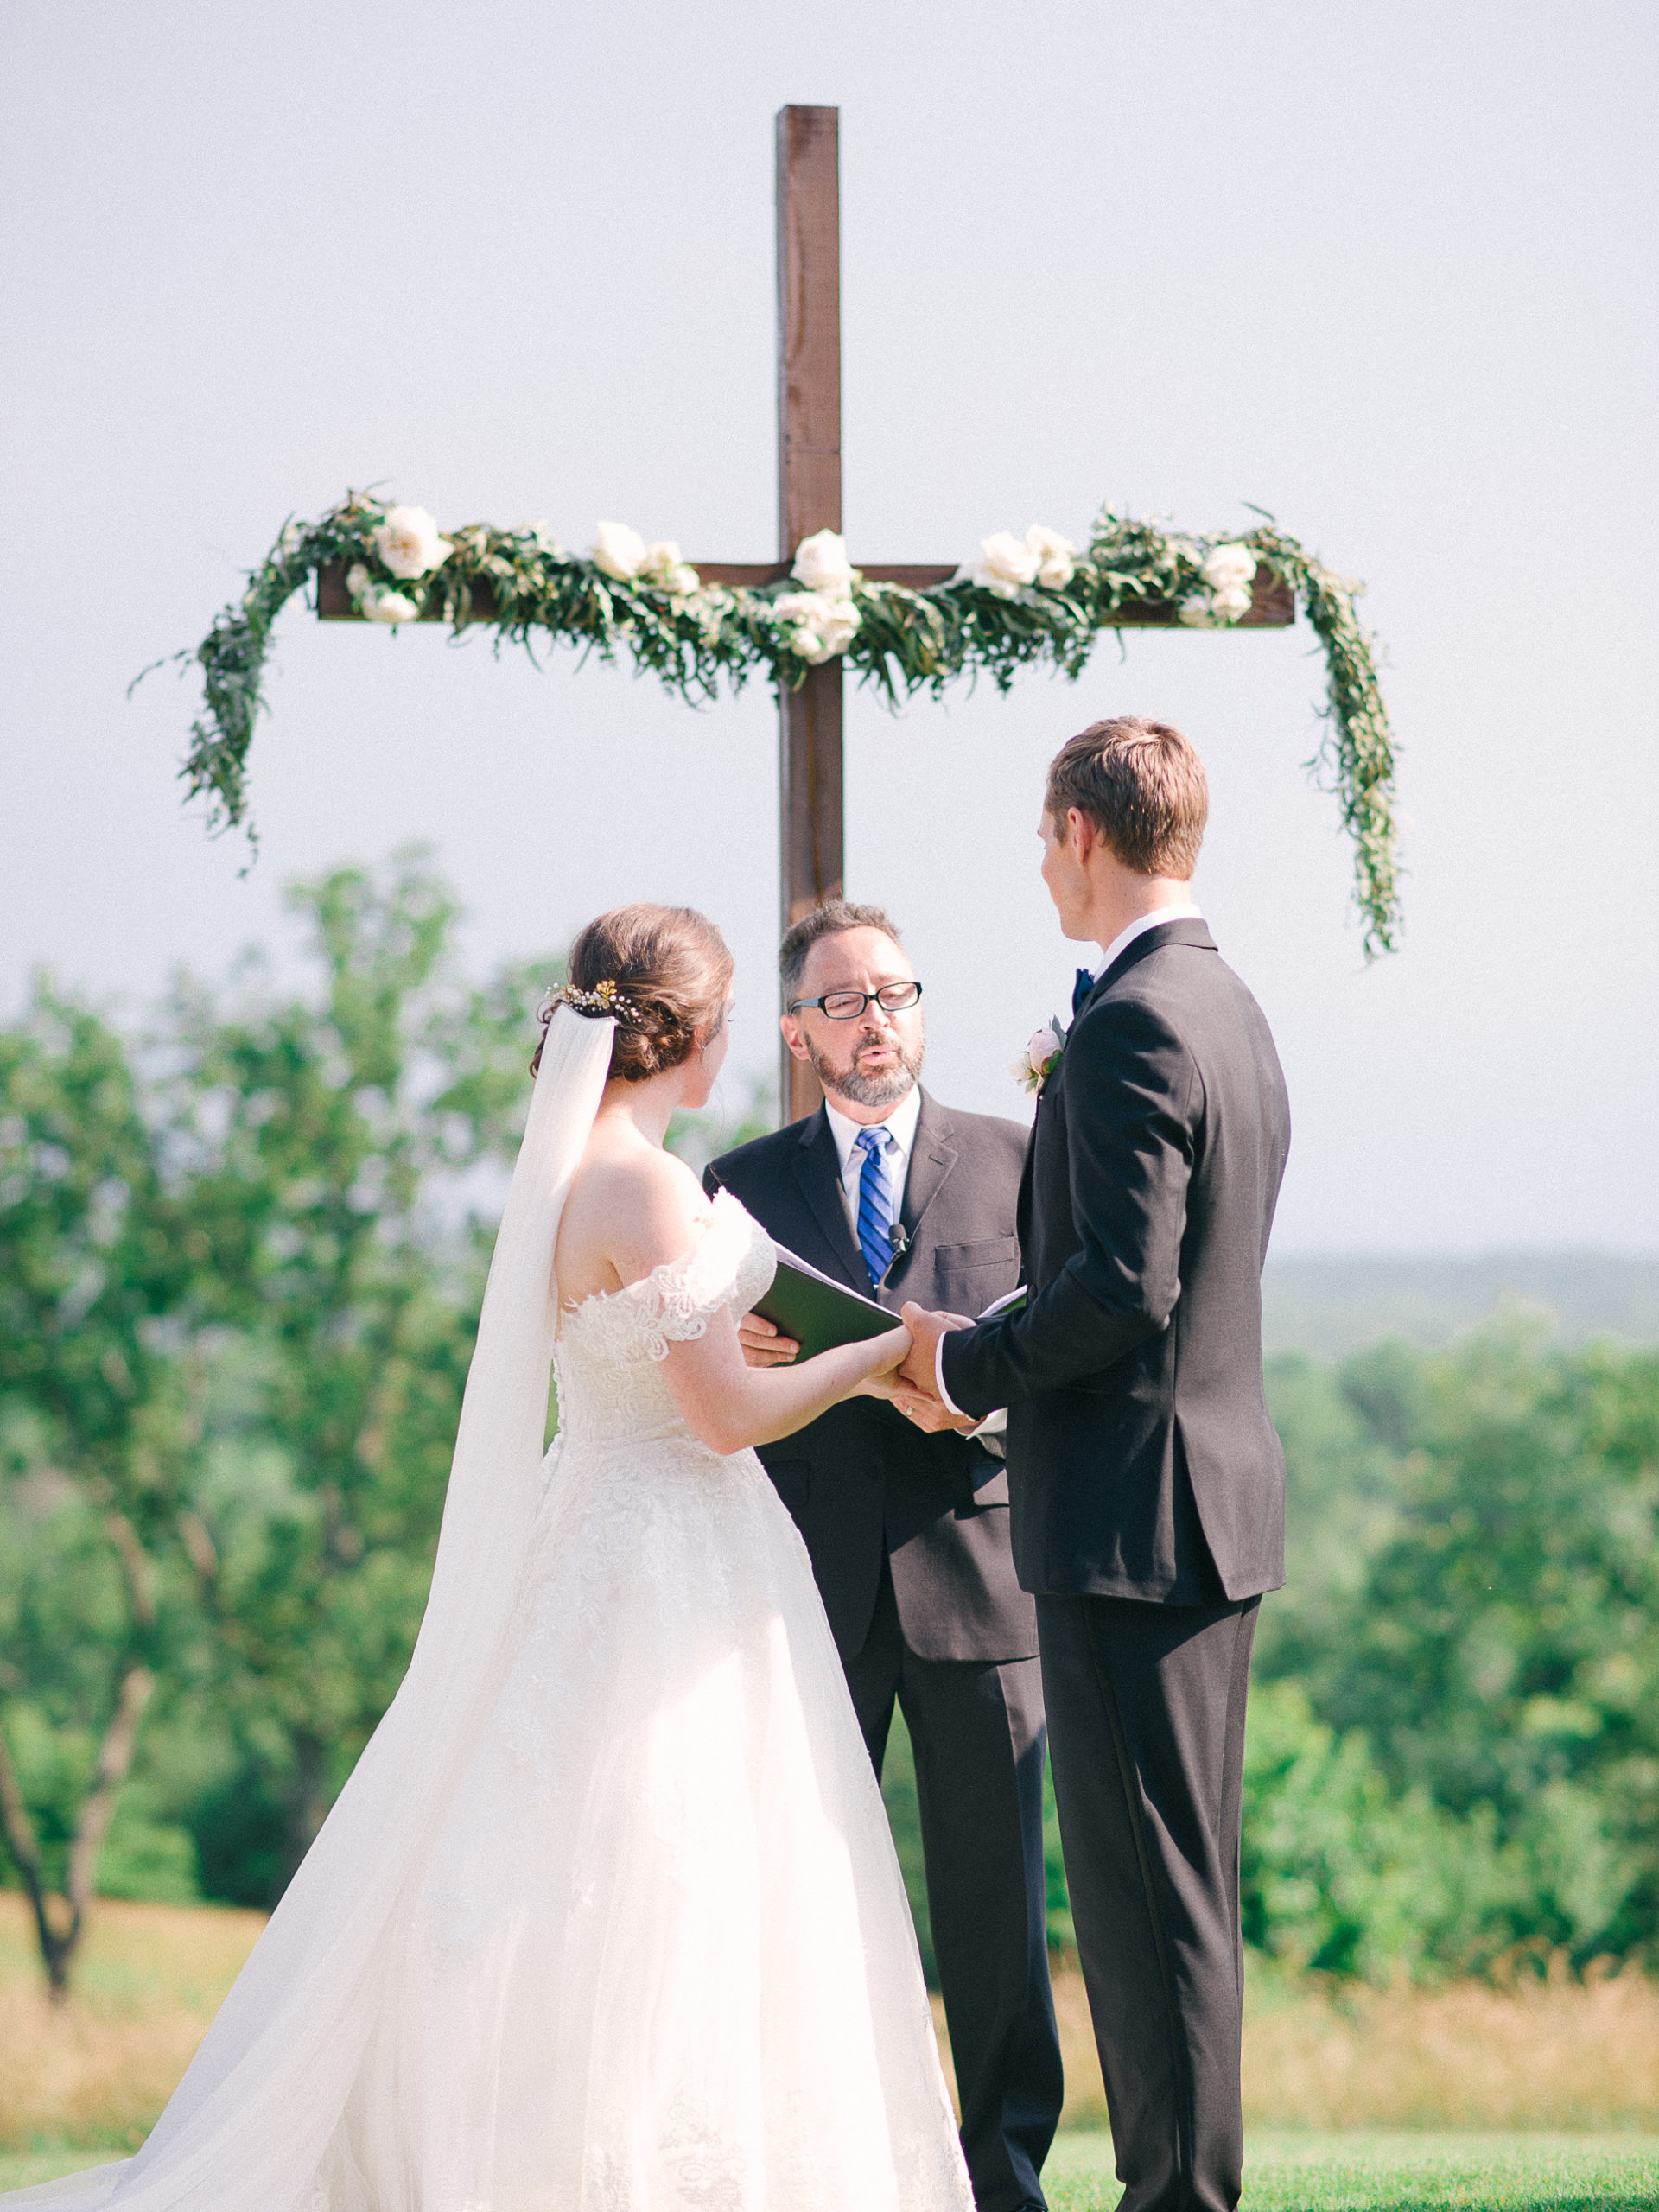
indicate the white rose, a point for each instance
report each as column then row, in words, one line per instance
column 821, row 565
column 818, row 625
column 1056, row 561
column 838, row 631
column 800, row 613
column 380, row 603
column 1006, row 565
column 1233, row 604
column 663, row 567
column 1229, row 568
column 1042, row 1048
column 1199, row 611
column 408, row 542
column 797, row 606
column 619, row 552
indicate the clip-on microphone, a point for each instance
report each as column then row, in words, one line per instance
column 901, row 1246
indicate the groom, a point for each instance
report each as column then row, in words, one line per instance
column 1147, row 1482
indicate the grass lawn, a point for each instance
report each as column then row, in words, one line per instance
column 1431, row 2087
column 1401, row 2173
column 1304, row 2173
column 23, row 2168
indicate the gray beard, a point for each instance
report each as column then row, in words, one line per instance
column 885, row 1089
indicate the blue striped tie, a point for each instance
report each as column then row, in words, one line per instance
column 874, row 1204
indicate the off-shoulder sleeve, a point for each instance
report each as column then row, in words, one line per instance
column 731, row 1264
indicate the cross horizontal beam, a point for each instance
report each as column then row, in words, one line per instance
column 1273, row 605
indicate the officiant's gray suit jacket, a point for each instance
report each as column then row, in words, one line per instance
column 863, row 1483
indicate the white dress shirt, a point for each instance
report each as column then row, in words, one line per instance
column 1155, row 920
column 1184, row 913
column 901, row 1131
column 899, row 1128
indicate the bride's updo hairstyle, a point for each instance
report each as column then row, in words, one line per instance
column 662, row 972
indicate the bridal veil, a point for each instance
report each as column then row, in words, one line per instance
column 261, row 2098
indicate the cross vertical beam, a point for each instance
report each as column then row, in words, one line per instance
column 812, row 853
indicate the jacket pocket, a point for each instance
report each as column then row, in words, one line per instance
column 989, row 1252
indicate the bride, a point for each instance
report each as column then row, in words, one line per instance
column 607, row 1918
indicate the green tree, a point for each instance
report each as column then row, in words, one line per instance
column 1341, row 1504
column 1479, row 1617
column 100, row 1409
column 338, row 1156
column 1507, row 1654
column 1343, row 1873
column 239, row 1269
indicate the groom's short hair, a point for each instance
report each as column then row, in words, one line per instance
column 1143, row 787
column 830, row 920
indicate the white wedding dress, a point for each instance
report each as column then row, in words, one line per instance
column 661, row 1955
column 629, row 1933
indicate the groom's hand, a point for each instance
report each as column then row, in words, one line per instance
column 918, row 1398
column 928, row 1413
column 920, row 1367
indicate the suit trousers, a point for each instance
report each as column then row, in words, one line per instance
column 1146, row 1715
column 976, row 1730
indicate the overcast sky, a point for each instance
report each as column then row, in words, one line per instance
column 1386, row 269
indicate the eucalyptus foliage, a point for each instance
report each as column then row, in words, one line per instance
column 519, row 582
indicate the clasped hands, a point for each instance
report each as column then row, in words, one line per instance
column 912, row 1385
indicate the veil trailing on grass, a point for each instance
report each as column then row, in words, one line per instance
column 255, row 2111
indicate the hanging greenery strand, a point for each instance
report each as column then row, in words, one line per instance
column 1026, row 602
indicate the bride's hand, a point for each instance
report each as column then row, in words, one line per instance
column 886, row 1353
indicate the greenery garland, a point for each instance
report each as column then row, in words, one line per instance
column 1025, row 603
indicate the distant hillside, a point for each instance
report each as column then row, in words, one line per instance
column 1332, row 1306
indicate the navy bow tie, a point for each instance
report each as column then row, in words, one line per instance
column 1080, row 990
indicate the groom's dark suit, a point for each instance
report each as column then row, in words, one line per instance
column 1148, row 1516
column 908, row 1535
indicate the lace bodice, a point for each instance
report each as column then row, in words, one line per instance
column 607, row 1361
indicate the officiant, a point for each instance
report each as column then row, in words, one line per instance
column 898, row 1197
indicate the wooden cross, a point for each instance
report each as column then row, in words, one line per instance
column 809, row 770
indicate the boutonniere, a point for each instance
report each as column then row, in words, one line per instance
column 1041, row 1058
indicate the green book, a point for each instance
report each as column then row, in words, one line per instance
column 820, row 1313
column 817, row 1311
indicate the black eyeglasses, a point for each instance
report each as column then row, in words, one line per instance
column 848, row 1006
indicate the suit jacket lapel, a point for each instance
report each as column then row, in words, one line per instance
column 817, row 1170
column 933, row 1156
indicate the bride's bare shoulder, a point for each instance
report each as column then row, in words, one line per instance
column 631, row 1207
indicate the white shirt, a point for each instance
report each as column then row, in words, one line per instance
column 1186, row 913
column 1155, row 920
column 899, row 1128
